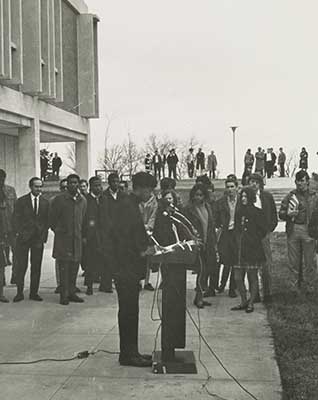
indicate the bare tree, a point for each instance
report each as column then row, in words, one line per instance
column 113, row 159
column 70, row 159
column 162, row 144
column 291, row 163
column 132, row 156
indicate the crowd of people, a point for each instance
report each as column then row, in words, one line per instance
column 110, row 232
column 267, row 163
column 50, row 165
column 197, row 164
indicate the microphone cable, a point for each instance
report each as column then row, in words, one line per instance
column 214, row 354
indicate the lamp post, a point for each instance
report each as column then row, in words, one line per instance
column 233, row 128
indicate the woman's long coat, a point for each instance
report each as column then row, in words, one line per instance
column 250, row 229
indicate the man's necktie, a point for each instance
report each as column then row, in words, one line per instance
column 35, row 206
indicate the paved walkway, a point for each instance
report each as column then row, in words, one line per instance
column 30, row 330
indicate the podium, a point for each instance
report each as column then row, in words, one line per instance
column 174, row 263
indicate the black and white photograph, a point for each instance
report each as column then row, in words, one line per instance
column 158, row 200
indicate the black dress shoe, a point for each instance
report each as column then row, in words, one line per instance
column 239, row 307
column 57, row 290
column 209, row 293
column 232, row 294
column 77, row 290
column 64, row 302
column 221, row 289
column 35, row 297
column 75, row 299
column 89, row 291
column 103, row 290
column 18, row 297
column 198, row 303
column 206, row 303
column 135, row 361
column 145, row 356
column 257, row 299
column 149, row 287
column 3, row 299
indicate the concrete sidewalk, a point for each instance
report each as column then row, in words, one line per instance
column 30, row 330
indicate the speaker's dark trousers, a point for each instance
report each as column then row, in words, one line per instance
column 128, row 315
column 22, row 255
column 68, row 275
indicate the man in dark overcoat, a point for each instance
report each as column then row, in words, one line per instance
column 127, row 237
column 66, row 221
column 30, row 223
column 96, row 265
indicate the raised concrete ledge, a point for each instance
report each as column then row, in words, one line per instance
column 29, row 107
column 52, row 133
column 14, row 119
column 78, row 5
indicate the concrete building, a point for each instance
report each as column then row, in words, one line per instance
column 48, row 82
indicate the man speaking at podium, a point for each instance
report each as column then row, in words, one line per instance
column 124, row 234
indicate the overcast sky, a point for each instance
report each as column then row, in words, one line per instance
column 196, row 67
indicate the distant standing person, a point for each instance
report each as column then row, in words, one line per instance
column 30, row 222
column 246, row 176
column 44, row 164
column 56, row 165
column 248, row 159
column 270, row 161
column 66, row 221
column 163, row 164
column 303, row 163
column 190, row 163
column 260, row 161
column 148, row 163
column 212, row 164
column 281, row 162
column 172, row 161
column 157, row 164
column 200, row 162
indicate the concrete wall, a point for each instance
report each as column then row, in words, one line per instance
column 69, row 32
column 8, row 157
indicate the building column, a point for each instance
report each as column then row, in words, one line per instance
column 82, row 157
column 29, row 155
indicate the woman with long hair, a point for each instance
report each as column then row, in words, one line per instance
column 250, row 229
column 200, row 214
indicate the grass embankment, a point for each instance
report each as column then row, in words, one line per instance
column 293, row 317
